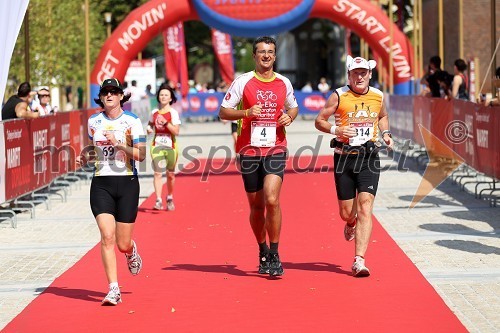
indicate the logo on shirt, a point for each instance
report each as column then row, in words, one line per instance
column 228, row 96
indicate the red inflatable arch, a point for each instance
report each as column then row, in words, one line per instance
column 149, row 20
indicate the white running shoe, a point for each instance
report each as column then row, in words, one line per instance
column 158, row 205
column 350, row 231
column 359, row 269
column 134, row 261
column 113, row 297
column 170, row 204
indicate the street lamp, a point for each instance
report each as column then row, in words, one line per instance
column 107, row 18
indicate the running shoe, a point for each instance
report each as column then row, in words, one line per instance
column 170, row 204
column 359, row 269
column 113, row 297
column 263, row 263
column 134, row 261
column 158, row 205
column 275, row 267
column 350, row 231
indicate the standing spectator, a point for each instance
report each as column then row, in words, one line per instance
column 43, row 108
column 430, row 78
column 118, row 140
column 460, row 84
column 262, row 144
column 136, row 94
column 307, row 88
column 359, row 114
column 17, row 106
column 148, row 91
column 164, row 123
column 323, row 86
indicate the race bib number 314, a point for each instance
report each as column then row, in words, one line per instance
column 263, row 134
column 364, row 132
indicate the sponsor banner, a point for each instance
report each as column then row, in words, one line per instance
column 18, row 159
column 461, row 131
column 2, row 165
column 77, row 137
column 42, row 139
column 62, row 151
column 421, row 117
column 400, row 109
column 486, row 137
column 208, row 104
column 441, row 119
column 175, row 56
column 223, row 49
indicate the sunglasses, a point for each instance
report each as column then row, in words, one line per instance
column 112, row 92
column 40, row 96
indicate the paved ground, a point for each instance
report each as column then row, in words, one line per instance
column 451, row 237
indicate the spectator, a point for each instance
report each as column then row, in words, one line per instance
column 17, row 106
column 307, row 88
column 43, row 108
column 430, row 78
column 192, row 88
column 148, row 91
column 444, row 79
column 69, row 97
column 323, row 86
column 136, row 93
column 460, row 84
column 495, row 101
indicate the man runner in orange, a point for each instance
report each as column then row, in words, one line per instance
column 263, row 102
column 359, row 116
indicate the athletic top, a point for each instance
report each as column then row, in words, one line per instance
column 462, row 89
column 262, row 135
column 163, row 137
column 127, row 128
column 361, row 111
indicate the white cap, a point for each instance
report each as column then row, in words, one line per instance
column 358, row 62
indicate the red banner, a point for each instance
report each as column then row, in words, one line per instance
column 18, row 159
column 223, row 48
column 175, row 56
column 42, row 141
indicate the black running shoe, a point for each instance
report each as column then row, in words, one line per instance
column 275, row 267
column 263, row 263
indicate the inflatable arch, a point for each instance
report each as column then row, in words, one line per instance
column 251, row 18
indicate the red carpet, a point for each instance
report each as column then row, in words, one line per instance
column 200, row 272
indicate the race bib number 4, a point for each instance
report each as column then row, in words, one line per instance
column 263, row 134
column 364, row 132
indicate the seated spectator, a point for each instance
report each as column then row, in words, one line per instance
column 43, row 108
column 307, row 88
column 17, row 106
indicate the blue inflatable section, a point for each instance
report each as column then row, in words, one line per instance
column 254, row 28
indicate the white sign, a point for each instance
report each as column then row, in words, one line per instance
column 144, row 72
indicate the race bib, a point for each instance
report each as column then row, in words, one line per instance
column 263, row 134
column 164, row 140
column 364, row 132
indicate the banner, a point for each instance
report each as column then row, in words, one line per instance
column 223, row 49
column 11, row 18
column 175, row 56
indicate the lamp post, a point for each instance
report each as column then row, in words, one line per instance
column 107, row 18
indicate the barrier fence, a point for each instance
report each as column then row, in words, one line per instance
column 35, row 152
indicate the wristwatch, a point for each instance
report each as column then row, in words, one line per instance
column 387, row 132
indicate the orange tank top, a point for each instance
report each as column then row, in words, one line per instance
column 359, row 110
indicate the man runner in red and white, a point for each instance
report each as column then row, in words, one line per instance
column 263, row 102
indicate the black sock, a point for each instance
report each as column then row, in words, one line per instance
column 274, row 247
column 263, row 248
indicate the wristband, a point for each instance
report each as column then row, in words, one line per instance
column 246, row 113
column 332, row 129
column 387, row 132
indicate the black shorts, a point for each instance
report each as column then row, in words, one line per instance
column 234, row 127
column 356, row 173
column 115, row 195
column 255, row 168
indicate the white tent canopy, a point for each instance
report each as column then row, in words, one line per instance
column 11, row 19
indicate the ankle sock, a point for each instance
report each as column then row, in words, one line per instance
column 273, row 247
column 263, row 248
